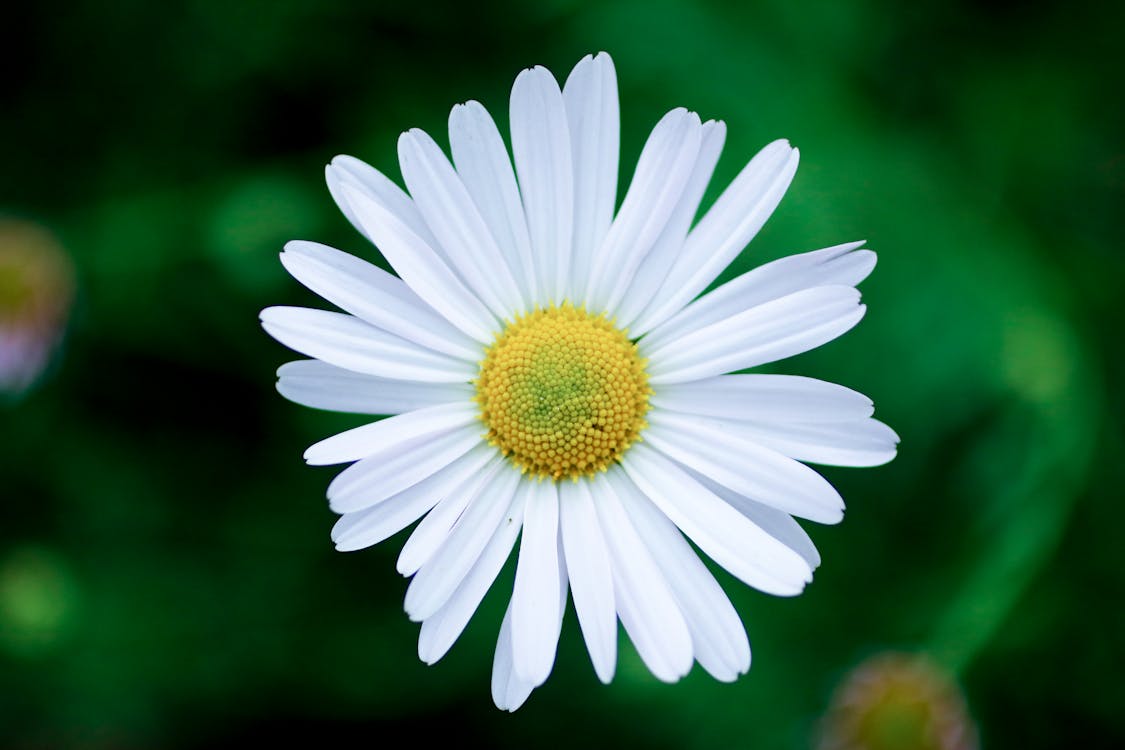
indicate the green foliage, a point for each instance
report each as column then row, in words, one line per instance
column 166, row 578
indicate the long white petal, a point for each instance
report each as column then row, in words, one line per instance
column 421, row 267
column 373, row 295
column 777, row 523
column 367, row 527
column 484, row 166
column 717, row 633
column 348, row 342
column 591, row 575
column 440, row 631
column 593, row 113
column 348, row 169
column 654, row 270
column 541, row 147
column 662, row 173
column 509, row 692
column 843, row 265
column 862, row 442
column 723, row 231
column 466, row 242
column 727, row 536
column 430, row 535
column 535, row 594
column 393, row 435
column 388, row 472
column 317, row 384
column 744, row 466
column 432, row 586
column 766, row 398
column 648, row 610
column 771, row 331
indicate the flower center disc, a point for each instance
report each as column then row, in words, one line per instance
column 563, row 393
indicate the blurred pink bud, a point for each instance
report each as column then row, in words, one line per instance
column 36, row 290
column 897, row 702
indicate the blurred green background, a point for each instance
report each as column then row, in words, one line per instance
column 166, row 576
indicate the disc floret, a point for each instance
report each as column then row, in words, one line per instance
column 563, row 392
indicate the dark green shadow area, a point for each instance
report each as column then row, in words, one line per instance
column 166, row 575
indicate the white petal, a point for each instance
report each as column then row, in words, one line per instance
column 592, row 111
column 541, row 147
column 373, row 295
column 310, row 382
column 646, row 605
column 863, row 442
column 348, row 342
column 484, row 166
column 421, row 267
column 429, row 536
column 717, row 634
column 441, row 630
column 591, row 576
column 388, row 472
column 347, row 169
column 663, row 170
column 723, row 231
column 727, row 536
column 441, row 575
column 535, row 594
column 765, row 398
column 393, row 435
column 508, row 691
column 652, row 273
column 843, row 265
column 778, row 524
column 744, row 466
column 366, row 527
column 775, row 330
column 464, row 238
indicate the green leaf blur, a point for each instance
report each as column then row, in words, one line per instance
column 166, row 576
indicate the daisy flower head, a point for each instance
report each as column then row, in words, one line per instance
column 554, row 377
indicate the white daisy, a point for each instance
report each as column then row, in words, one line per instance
column 554, row 378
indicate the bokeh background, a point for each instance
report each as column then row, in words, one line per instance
column 166, row 576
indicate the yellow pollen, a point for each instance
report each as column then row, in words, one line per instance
column 563, row 392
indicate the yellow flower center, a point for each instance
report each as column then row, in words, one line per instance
column 563, row 392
